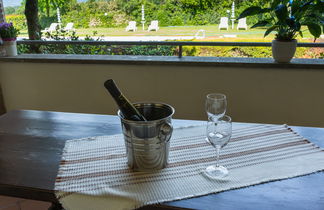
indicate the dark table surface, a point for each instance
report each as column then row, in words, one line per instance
column 31, row 144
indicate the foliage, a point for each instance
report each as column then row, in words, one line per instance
column 48, row 10
column 96, row 14
column 254, row 52
column 11, row 10
column 17, row 10
column 45, row 21
column 49, row 7
column 169, row 12
column 60, row 35
column 117, row 13
column 8, row 31
column 19, row 21
column 230, row 51
column 286, row 17
column 235, row 51
column 161, row 50
column 321, row 55
column 315, row 53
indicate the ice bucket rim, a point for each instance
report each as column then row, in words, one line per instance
column 150, row 121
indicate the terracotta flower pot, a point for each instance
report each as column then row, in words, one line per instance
column 10, row 46
column 283, row 51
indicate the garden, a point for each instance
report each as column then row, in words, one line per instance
column 94, row 20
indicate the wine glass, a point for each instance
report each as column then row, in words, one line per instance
column 219, row 133
column 215, row 105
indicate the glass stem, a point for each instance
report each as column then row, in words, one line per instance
column 218, row 147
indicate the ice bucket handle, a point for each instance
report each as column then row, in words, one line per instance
column 165, row 132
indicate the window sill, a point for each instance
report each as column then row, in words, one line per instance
column 165, row 60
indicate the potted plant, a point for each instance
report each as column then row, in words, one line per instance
column 286, row 18
column 9, row 35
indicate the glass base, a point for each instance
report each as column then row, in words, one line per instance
column 207, row 140
column 214, row 172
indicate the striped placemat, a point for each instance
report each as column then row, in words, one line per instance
column 93, row 173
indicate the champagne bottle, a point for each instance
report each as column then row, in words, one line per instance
column 127, row 109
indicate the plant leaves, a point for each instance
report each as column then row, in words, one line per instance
column 293, row 24
column 281, row 12
column 314, row 29
column 295, row 7
column 250, row 12
column 260, row 23
column 302, row 8
column 285, row 2
column 320, row 6
column 265, row 10
column 300, row 33
column 297, row 26
column 269, row 30
column 275, row 3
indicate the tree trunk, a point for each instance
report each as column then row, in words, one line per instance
column 47, row 8
column 31, row 12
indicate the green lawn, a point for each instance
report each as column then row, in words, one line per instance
column 212, row 32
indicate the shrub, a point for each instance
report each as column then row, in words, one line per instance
column 252, row 52
column 10, row 10
column 189, row 51
column 120, row 19
column 60, row 35
column 95, row 22
column 46, row 21
column 19, row 21
column 161, row 50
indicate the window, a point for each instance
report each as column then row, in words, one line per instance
column 124, row 21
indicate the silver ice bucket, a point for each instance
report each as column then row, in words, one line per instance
column 147, row 142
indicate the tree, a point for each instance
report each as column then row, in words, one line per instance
column 48, row 5
column 9, row 10
column 31, row 12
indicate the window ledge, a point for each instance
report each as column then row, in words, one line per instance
column 165, row 60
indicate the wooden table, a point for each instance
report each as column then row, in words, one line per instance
column 31, row 144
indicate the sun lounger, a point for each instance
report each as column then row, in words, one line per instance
column 69, row 27
column 131, row 26
column 154, row 26
column 242, row 24
column 223, row 23
column 52, row 28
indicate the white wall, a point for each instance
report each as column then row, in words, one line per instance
column 292, row 96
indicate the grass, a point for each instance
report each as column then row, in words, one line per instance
column 166, row 31
column 212, row 33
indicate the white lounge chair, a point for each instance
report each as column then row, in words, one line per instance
column 52, row 28
column 131, row 26
column 154, row 26
column 69, row 27
column 242, row 24
column 223, row 23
